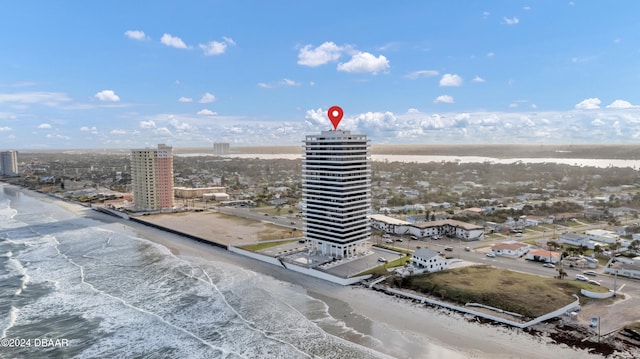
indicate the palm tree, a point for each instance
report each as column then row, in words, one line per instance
column 561, row 273
column 582, row 249
column 553, row 245
column 597, row 249
column 614, row 246
column 634, row 245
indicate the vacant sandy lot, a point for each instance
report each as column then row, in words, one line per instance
column 219, row 228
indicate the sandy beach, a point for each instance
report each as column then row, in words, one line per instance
column 399, row 328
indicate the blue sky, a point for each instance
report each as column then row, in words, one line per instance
column 124, row 74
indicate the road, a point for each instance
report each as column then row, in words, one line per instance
column 612, row 316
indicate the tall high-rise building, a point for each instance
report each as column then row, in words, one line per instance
column 152, row 178
column 9, row 163
column 221, row 148
column 336, row 193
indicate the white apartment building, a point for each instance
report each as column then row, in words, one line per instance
column 152, row 178
column 221, row 148
column 9, row 163
column 336, row 193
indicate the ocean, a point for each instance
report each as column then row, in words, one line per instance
column 72, row 286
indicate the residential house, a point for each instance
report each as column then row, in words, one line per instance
column 429, row 260
column 580, row 262
column 511, row 249
column 541, row 255
column 628, row 267
column 575, row 239
column 603, row 236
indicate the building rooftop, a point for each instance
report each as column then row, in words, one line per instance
column 425, row 253
column 509, row 246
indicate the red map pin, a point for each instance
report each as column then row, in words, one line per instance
column 335, row 115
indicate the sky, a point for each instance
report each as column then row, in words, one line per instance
column 130, row 74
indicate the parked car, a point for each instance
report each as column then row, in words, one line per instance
column 389, row 241
column 398, row 240
column 436, row 237
column 518, row 234
column 382, row 259
column 491, row 255
column 386, row 235
column 448, row 249
column 590, row 272
column 468, row 249
column 548, row 265
column 293, row 222
column 591, row 281
column 582, row 278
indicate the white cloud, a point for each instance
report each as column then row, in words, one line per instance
column 281, row 83
column 185, row 99
column 206, row 112
column 229, row 40
column 527, row 8
column 44, row 126
column 620, row 104
column 2, row 129
column 46, row 98
column 148, row 124
column 510, row 21
column 490, row 54
column 207, row 98
column 162, row 131
column 421, row 73
column 450, row 80
column 93, row 129
column 118, row 132
column 325, row 53
column 485, row 14
column 413, row 110
column 513, row 105
column 365, row 62
column 444, row 99
column 107, row 96
column 588, row 104
column 213, row 48
column 180, row 126
column 173, row 41
column 477, row 79
column 57, row 136
column 136, row 35
column 287, row 82
column 597, row 122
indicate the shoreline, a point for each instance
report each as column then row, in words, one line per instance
column 432, row 331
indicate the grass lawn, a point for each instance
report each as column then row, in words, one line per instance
column 392, row 248
column 517, row 292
